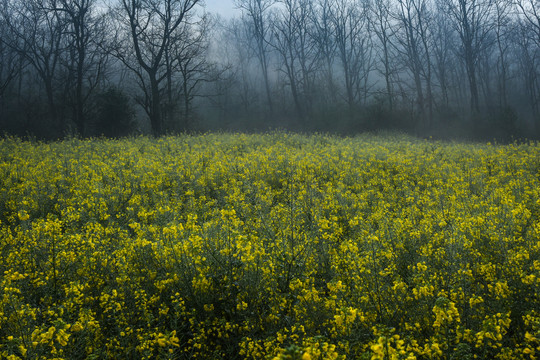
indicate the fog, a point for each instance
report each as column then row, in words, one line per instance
column 439, row 68
column 224, row 8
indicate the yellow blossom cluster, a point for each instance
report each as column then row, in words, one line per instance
column 275, row 246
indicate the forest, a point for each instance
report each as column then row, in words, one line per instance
column 441, row 68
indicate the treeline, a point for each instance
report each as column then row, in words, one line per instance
column 432, row 67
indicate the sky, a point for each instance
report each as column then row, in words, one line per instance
column 225, row 8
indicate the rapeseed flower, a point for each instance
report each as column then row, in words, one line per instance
column 269, row 246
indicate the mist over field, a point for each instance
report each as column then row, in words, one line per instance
column 441, row 68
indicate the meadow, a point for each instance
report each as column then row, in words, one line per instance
column 276, row 246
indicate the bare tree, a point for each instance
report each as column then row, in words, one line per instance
column 38, row 35
column 284, row 43
column 414, row 18
column 240, row 34
column 354, row 48
column 293, row 40
column 193, row 66
column 503, row 33
column 472, row 22
column 324, row 36
column 529, row 41
column 529, row 68
column 255, row 15
column 530, row 11
column 152, row 26
column 383, row 27
column 10, row 61
column 11, row 68
column 442, row 46
column 85, row 37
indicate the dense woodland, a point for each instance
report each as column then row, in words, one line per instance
column 430, row 67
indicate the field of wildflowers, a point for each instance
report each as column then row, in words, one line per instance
column 274, row 246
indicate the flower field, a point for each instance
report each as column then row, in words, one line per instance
column 273, row 246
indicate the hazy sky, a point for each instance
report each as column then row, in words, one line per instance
column 225, row 8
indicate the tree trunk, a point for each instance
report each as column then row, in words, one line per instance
column 387, row 77
column 264, row 65
column 79, row 103
column 155, row 114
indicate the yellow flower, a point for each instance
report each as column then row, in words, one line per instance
column 23, row 350
column 77, row 327
column 62, row 337
column 23, row 215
